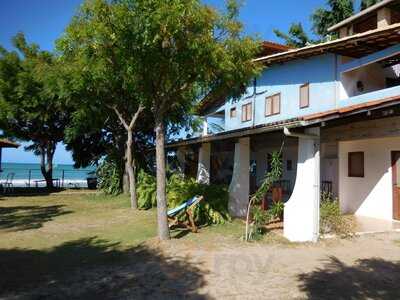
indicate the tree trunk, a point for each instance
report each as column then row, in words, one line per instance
column 130, row 170
column 163, row 229
column 46, row 165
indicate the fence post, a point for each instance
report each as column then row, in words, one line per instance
column 29, row 178
column 62, row 179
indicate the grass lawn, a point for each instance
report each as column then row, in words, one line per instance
column 46, row 239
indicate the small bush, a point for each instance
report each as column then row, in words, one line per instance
column 109, row 178
column 276, row 210
column 260, row 219
column 331, row 219
column 146, row 190
column 213, row 210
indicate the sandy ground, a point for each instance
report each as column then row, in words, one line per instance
column 366, row 267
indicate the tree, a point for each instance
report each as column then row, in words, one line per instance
column 185, row 50
column 296, row 37
column 30, row 107
column 323, row 18
column 99, row 44
column 367, row 3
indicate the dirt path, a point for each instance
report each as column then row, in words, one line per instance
column 360, row 268
column 366, row 267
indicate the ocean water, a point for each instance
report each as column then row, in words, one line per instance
column 27, row 174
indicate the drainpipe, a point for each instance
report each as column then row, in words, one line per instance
column 287, row 132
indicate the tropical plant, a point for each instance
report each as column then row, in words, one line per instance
column 276, row 210
column 271, row 176
column 109, row 178
column 213, row 210
column 260, row 218
column 146, row 190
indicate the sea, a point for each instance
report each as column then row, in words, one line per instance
column 26, row 175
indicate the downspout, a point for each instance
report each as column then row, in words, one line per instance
column 254, row 101
column 288, row 133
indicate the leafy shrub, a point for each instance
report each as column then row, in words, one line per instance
column 213, row 210
column 146, row 190
column 331, row 219
column 260, row 218
column 109, row 178
column 276, row 210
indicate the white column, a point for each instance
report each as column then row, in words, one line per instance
column 181, row 156
column 239, row 188
column 301, row 214
column 203, row 170
column 205, row 126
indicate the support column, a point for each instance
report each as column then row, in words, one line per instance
column 301, row 214
column 239, row 188
column 203, row 170
column 181, row 156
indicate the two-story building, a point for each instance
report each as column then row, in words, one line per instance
column 334, row 110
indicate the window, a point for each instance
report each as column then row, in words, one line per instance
column 356, row 164
column 304, row 95
column 233, row 112
column 246, row 112
column 273, row 105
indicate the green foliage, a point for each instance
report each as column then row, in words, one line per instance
column 331, row 219
column 273, row 175
column 146, row 190
column 296, row 37
column 32, row 104
column 324, row 18
column 214, row 210
column 276, row 210
column 109, row 178
column 260, row 219
column 367, row 3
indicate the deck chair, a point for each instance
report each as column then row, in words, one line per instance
column 186, row 207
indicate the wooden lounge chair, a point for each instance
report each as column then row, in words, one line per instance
column 188, row 208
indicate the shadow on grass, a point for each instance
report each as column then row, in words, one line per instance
column 17, row 218
column 30, row 191
column 96, row 269
column 367, row 279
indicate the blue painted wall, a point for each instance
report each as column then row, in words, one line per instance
column 318, row 71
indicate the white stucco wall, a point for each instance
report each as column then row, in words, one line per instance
column 370, row 196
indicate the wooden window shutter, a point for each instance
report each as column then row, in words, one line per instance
column 247, row 112
column 276, row 106
column 356, row 164
column 304, row 95
column 268, row 106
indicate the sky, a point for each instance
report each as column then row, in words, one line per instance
column 43, row 21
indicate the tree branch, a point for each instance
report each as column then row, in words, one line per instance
column 120, row 117
column 136, row 116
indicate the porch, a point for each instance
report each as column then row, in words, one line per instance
column 315, row 158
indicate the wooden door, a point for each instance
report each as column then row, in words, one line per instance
column 396, row 184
